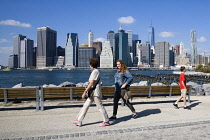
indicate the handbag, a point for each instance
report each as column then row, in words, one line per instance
column 90, row 92
column 127, row 96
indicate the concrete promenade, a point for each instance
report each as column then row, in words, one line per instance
column 157, row 119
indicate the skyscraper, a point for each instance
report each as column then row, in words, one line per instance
column 106, row 59
column 71, row 52
column 46, row 46
column 122, row 49
column 144, row 49
column 151, row 36
column 181, row 50
column 98, row 46
column 85, row 53
column 13, row 61
column 17, row 46
column 130, row 38
column 90, row 39
column 193, row 48
column 111, row 39
column 162, row 58
column 26, row 53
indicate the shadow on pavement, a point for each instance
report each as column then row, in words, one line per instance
column 141, row 114
column 194, row 104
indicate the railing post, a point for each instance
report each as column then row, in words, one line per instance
column 71, row 94
column 37, row 98
column 42, row 99
column 150, row 91
column 171, row 87
column 189, row 94
column 5, row 96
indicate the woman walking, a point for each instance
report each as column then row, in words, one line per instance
column 94, row 86
column 123, row 79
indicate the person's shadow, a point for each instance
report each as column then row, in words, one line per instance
column 194, row 105
column 141, row 114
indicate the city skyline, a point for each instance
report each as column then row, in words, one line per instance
column 172, row 21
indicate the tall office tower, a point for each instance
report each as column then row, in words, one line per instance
column 106, row 58
column 13, row 61
column 26, row 53
column 135, row 52
column 137, row 57
column 135, row 37
column 98, row 46
column 151, row 36
column 111, row 39
column 46, row 47
column 172, row 55
column 90, row 39
column 121, row 45
column 193, row 49
column 162, row 54
column 130, row 39
column 176, row 49
column 181, row 50
column 144, row 48
column 60, row 51
column 17, row 45
column 84, row 55
column 71, row 52
column 34, row 56
column 199, row 59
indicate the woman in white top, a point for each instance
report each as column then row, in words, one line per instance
column 94, row 82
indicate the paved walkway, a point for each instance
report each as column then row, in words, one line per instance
column 157, row 119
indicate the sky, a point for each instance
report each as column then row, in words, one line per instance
column 172, row 20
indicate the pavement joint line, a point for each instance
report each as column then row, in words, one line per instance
column 115, row 131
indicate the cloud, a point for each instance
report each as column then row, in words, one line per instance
column 126, row 20
column 202, row 39
column 2, row 40
column 100, row 39
column 4, row 55
column 14, row 23
column 166, row 34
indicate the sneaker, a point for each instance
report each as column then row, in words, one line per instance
column 77, row 123
column 187, row 107
column 103, row 124
column 176, row 106
column 112, row 118
column 134, row 116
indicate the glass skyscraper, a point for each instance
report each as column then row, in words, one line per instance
column 90, row 39
column 193, row 48
column 17, row 46
column 162, row 56
column 151, row 36
column 122, row 49
column 71, row 52
column 85, row 53
column 46, row 47
column 111, row 39
column 26, row 53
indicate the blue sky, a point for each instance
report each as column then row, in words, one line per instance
column 172, row 20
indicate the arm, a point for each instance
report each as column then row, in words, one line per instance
column 182, row 82
column 128, row 80
column 91, row 83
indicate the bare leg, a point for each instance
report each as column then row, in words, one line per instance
column 184, row 99
column 179, row 99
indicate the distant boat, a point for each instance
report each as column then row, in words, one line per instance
column 50, row 69
column 7, row 69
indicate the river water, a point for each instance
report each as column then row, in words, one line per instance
column 40, row 77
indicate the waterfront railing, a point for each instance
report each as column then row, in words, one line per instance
column 40, row 94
